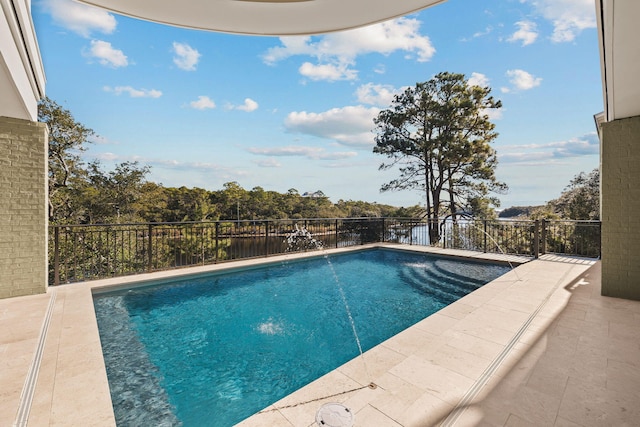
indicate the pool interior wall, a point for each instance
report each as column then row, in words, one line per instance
column 155, row 397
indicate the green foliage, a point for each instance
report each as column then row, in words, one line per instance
column 437, row 134
column 113, row 196
column 518, row 211
column 67, row 139
column 580, row 200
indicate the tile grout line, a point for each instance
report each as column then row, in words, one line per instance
column 26, row 397
column 462, row 405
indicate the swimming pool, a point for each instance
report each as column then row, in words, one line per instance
column 216, row 349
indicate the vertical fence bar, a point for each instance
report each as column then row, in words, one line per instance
column 337, row 233
column 484, row 235
column 216, row 244
column 536, row 239
column 150, row 248
column 599, row 239
column 56, row 255
column 543, row 249
column 411, row 232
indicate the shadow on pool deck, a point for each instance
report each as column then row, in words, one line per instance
column 538, row 347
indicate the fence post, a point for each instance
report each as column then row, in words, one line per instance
column 484, row 235
column 411, row 232
column 543, row 249
column 215, row 259
column 536, row 239
column 266, row 238
column 150, row 248
column 384, row 231
column 56, row 255
column 600, row 240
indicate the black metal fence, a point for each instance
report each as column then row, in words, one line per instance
column 86, row 252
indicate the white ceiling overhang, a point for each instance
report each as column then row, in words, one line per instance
column 619, row 35
column 265, row 17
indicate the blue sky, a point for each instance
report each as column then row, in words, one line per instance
column 205, row 108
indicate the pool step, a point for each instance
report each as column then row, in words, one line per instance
column 431, row 284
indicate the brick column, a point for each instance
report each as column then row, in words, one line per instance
column 23, row 207
column 620, row 184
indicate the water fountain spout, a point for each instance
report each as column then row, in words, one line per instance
column 301, row 239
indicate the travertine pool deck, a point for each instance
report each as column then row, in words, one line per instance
column 539, row 346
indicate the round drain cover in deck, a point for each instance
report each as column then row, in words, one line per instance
column 334, row 415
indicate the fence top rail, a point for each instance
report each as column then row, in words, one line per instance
column 298, row 220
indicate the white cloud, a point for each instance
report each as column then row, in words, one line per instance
column 527, row 33
column 80, row 18
column 330, row 72
column 101, row 140
column 380, row 69
column 380, row 95
column 107, row 54
column 478, row 79
column 203, row 103
column 337, row 52
column 585, row 145
column 268, row 163
column 134, row 93
column 248, row 106
column 186, row 57
column 569, row 17
column 315, row 153
column 200, row 167
column 521, row 80
column 493, row 113
column 488, row 30
column 351, row 125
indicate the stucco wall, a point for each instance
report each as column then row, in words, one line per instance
column 23, row 207
column 620, row 177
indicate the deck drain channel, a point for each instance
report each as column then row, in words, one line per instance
column 491, row 369
column 26, row 397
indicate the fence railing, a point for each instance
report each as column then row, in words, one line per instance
column 87, row 252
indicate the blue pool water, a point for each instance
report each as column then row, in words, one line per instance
column 213, row 350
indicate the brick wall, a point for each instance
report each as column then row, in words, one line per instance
column 23, row 207
column 620, row 177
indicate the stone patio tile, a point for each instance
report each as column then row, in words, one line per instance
column 371, row 365
column 465, row 363
column 622, row 377
column 369, row 416
column 396, row 396
column 458, row 311
column 436, row 324
column 427, row 410
column 471, row 344
column 589, row 405
column 443, row 383
column 266, row 419
column 414, row 340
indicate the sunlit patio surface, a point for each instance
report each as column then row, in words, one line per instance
column 538, row 346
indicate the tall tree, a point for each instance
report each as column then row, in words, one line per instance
column 438, row 134
column 67, row 139
column 113, row 196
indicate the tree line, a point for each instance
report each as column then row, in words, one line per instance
column 82, row 193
